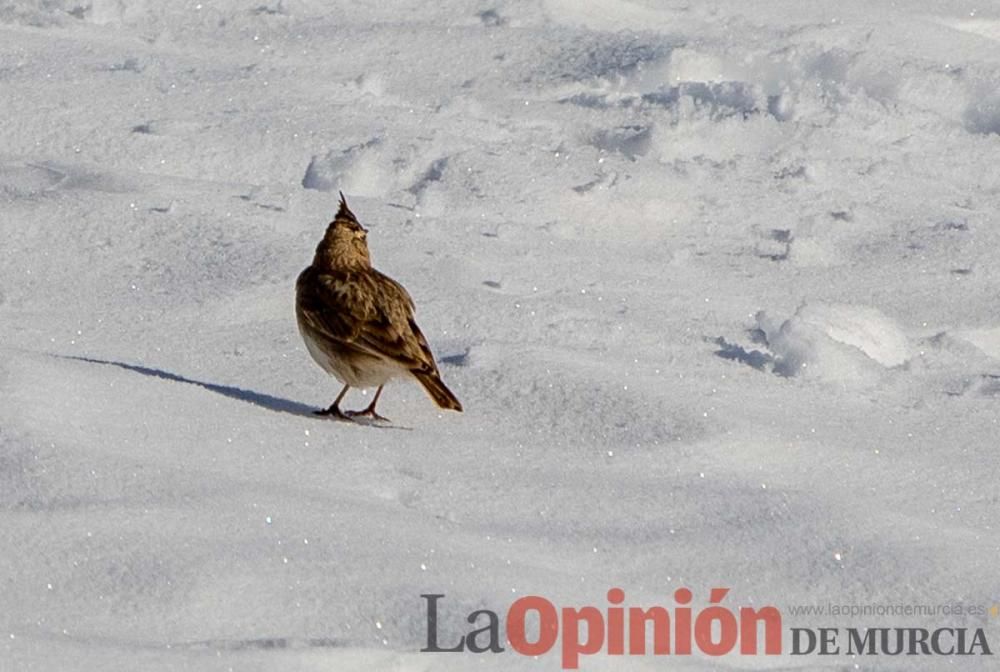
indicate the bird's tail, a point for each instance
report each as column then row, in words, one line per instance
column 441, row 395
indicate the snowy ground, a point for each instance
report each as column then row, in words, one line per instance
column 716, row 283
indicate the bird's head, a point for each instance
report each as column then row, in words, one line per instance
column 345, row 244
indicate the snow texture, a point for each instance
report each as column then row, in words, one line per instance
column 715, row 281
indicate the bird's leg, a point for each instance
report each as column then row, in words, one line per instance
column 370, row 411
column 334, row 409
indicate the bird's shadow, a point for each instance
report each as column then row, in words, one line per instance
column 267, row 401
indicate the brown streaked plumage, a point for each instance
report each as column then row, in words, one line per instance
column 358, row 323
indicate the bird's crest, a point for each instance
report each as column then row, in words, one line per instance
column 344, row 212
column 343, row 245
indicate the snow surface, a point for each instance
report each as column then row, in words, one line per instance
column 715, row 281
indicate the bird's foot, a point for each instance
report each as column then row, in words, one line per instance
column 367, row 413
column 333, row 412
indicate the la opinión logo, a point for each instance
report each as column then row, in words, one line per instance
column 615, row 630
column 534, row 626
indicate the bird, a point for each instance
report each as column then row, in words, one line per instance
column 358, row 324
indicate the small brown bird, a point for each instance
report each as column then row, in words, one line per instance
column 358, row 323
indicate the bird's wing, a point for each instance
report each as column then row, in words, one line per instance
column 396, row 288
column 372, row 313
column 394, row 333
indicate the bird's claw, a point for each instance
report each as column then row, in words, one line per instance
column 332, row 412
column 367, row 413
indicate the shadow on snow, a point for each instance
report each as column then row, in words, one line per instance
column 271, row 403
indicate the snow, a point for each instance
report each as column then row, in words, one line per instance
column 841, row 343
column 715, row 282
